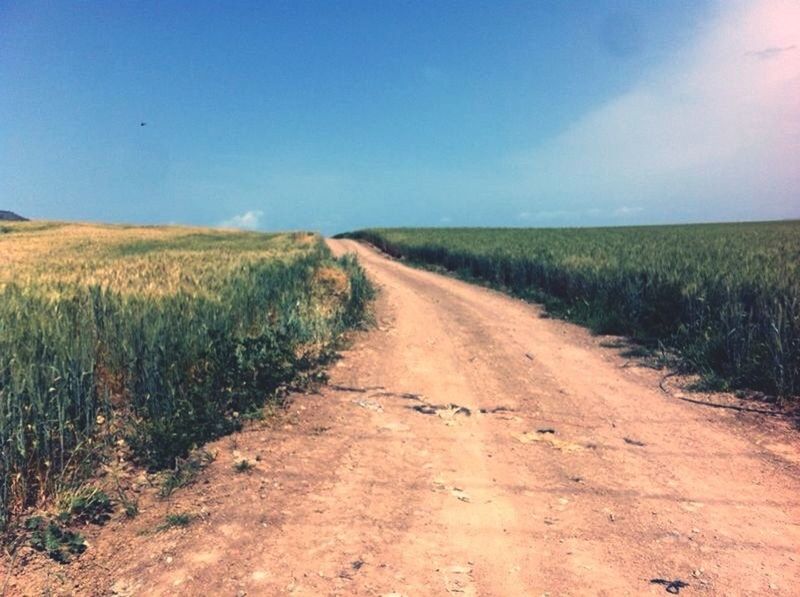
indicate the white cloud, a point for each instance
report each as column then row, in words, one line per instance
column 547, row 215
column 627, row 211
column 713, row 131
column 249, row 220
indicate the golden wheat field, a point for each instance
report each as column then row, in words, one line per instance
column 147, row 260
column 151, row 338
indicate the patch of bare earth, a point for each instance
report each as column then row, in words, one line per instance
column 468, row 446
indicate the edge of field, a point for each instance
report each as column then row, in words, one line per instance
column 675, row 370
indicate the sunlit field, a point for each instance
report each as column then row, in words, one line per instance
column 151, row 340
column 725, row 297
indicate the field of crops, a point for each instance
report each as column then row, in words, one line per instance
column 724, row 297
column 152, row 340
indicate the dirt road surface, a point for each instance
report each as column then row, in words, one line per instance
column 468, row 446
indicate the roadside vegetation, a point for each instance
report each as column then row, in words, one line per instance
column 146, row 342
column 724, row 297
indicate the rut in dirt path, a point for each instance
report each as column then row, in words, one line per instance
column 468, row 446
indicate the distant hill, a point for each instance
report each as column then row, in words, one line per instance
column 10, row 216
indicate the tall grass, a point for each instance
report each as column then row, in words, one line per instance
column 726, row 297
column 200, row 330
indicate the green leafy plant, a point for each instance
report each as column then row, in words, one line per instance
column 87, row 505
column 50, row 537
column 131, row 509
column 179, row 520
column 130, row 506
column 185, row 471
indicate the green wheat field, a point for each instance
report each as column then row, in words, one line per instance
column 724, row 297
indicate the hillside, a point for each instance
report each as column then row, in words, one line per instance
column 10, row 216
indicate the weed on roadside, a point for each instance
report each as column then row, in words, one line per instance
column 87, row 505
column 50, row 537
column 243, row 466
column 178, row 520
column 185, row 472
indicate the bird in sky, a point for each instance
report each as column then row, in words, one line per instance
column 142, row 124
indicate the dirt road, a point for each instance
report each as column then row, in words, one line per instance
column 468, row 446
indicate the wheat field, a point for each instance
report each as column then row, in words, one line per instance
column 725, row 298
column 151, row 340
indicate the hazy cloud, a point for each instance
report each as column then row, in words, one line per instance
column 707, row 134
column 578, row 216
column 767, row 53
column 627, row 211
column 546, row 215
column 249, row 220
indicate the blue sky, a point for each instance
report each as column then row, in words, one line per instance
column 339, row 115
